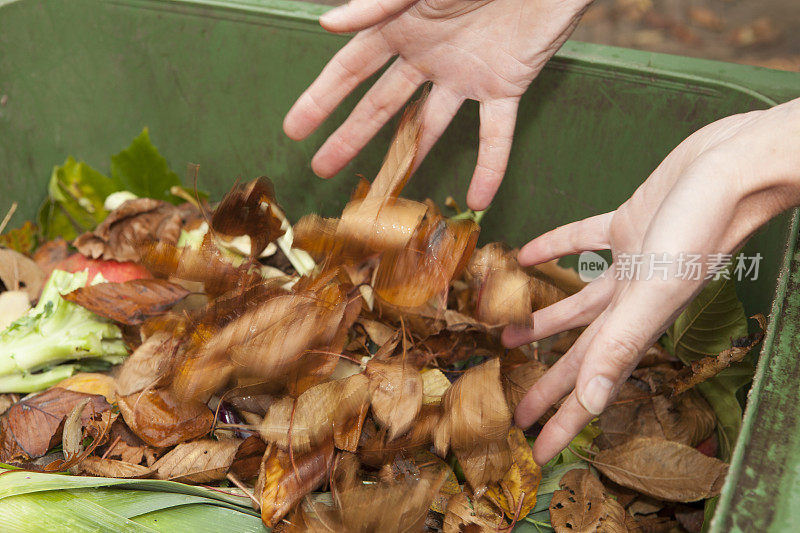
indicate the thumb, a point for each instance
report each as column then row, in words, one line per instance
column 359, row 14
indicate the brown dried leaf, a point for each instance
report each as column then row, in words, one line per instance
column 484, row 462
column 249, row 210
column 248, row 456
column 131, row 302
column 312, row 418
column 200, row 461
column 135, row 221
column 72, row 435
column 161, row 420
column 19, row 272
column 395, row 389
column 663, row 469
column 410, row 276
column 518, row 380
column 385, row 507
column 147, row 365
column 399, row 160
column 124, row 445
column 378, row 332
column 475, row 410
column 97, row 466
column 502, row 290
column 515, row 493
column 32, row 426
column 463, row 515
column 286, row 480
column 582, row 506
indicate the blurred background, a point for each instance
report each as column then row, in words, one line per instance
column 755, row 32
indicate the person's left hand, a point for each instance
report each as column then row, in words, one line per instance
column 706, row 198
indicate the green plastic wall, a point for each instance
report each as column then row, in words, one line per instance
column 213, row 80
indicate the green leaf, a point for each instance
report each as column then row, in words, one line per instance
column 31, row 501
column 142, row 170
column 705, row 328
column 76, row 193
column 582, row 441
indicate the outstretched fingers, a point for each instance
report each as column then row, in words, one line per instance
column 354, row 63
column 380, row 104
column 557, row 382
column 357, row 15
column 575, row 311
column 588, row 234
column 498, row 118
column 441, row 106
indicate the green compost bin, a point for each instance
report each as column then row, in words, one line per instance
column 213, row 79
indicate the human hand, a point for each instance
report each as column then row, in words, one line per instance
column 485, row 50
column 707, row 197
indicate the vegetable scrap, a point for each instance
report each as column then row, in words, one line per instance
column 338, row 374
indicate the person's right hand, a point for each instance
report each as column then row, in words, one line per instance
column 484, row 50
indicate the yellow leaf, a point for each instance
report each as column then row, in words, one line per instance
column 516, row 492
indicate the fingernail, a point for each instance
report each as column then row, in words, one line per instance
column 595, row 396
column 333, row 16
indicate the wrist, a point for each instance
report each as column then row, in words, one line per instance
column 764, row 158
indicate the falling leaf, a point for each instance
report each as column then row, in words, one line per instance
column 475, row 409
column 399, row 160
column 249, row 210
column 160, row 420
column 408, row 277
column 311, row 418
column 18, row 272
column 663, row 469
column 582, row 506
column 515, row 493
column 130, row 302
column 501, row 288
column 147, row 365
column 286, row 480
column 33, row 426
column 395, row 389
column 199, row 461
column 97, row 466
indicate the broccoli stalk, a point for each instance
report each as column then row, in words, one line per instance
column 54, row 332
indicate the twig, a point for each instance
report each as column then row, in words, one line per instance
column 8, row 216
column 113, row 444
column 233, row 479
